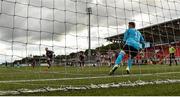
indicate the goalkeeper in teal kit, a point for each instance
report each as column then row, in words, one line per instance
column 134, row 42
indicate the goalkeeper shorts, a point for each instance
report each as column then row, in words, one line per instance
column 130, row 50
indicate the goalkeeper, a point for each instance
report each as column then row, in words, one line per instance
column 133, row 43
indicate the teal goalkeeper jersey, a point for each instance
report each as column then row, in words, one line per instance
column 133, row 37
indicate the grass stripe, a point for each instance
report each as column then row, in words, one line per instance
column 81, row 78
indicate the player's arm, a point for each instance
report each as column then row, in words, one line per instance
column 125, row 36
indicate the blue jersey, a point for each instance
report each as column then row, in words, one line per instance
column 133, row 37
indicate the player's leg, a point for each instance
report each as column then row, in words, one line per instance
column 133, row 53
column 32, row 65
column 118, row 61
column 83, row 63
column 80, row 63
column 174, row 58
column 170, row 59
column 175, row 61
column 98, row 63
column 130, row 60
column 49, row 62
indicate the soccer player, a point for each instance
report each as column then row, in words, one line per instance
column 6, row 64
column 98, row 58
column 49, row 55
column 172, row 51
column 81, row 59
column 133, row 41
column 33, row 62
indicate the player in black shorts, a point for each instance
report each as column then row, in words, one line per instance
column 134, row 42
column 49, row 56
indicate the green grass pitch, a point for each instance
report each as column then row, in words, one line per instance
column 39, row 77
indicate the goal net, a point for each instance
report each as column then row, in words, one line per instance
column 86, row 36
